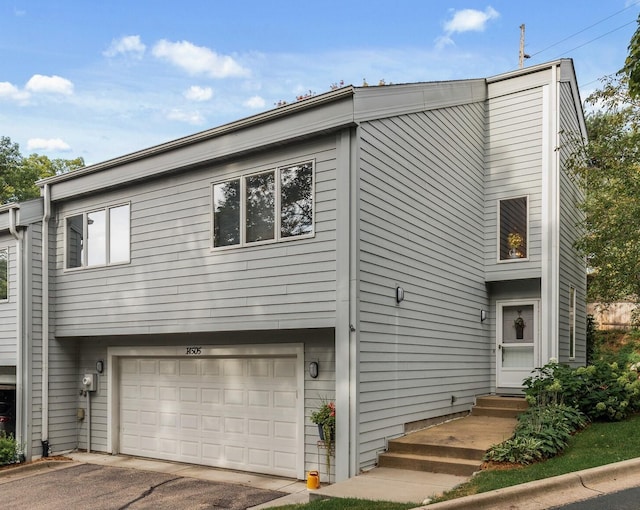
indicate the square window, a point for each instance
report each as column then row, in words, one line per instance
column 513, row 229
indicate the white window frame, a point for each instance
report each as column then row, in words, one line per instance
column 572, row 322
column 277, row 205
column 6, row 250
column 499, row 227
column 85, row 226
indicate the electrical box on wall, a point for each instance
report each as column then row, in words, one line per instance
column 89, row 382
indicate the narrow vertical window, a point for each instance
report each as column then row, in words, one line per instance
column 513, row 229
column 119, row 234
column 96, row 238
column 75, row 241
column 226, row 213
column 572, row 323
column 4, row 274
column 260, row 199
column 296, row 200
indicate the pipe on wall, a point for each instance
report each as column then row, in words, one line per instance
column 18, row 236
column 45, row 320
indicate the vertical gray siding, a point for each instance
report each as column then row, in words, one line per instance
column 572, row 266
column 176, row 283
column 421, row 190
column 513, row 166
column 8, row 309
column 34, row 408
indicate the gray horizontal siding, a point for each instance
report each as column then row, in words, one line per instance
column 8, row 309
column 175, row 282
column 421, row 219
column 572, row 265
column 513, row 148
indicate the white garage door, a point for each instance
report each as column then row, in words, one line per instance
column 237, row 413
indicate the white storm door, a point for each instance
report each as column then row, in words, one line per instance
column 517, row 342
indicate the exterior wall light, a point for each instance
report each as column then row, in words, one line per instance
column 399, row 294
column 483, row 315
column 314, row 369
column 99, row 366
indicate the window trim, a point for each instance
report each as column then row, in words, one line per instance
column 572, row 322
column 498, row 230
column 277, row 238
column 6, row 249
column 85, row 226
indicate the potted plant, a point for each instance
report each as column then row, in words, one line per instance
column 515, row 242
column 325, row 418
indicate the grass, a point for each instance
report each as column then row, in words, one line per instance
column 597, row 445
column 351, row 504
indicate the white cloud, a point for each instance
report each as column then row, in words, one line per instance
column 10, row 91
column 470, row 20
column 50, row 144
column 127, row 45
column 189, row 117
column 198, row 59
column 255, row 102
column 195, row 93
column 49, row 84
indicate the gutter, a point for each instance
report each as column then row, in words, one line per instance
column 45, row 320
column 18, row 236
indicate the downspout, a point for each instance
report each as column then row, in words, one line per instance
column 13, row 229
column 45, row 321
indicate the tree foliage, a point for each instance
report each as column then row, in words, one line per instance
column 18, row 174
column 612, row 205
column 631, row 69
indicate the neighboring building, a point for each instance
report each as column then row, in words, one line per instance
column 366, row 229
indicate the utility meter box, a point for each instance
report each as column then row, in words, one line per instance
column 89, row 382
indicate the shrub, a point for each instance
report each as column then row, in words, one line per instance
column 10, row 450
column 541, row 433
column 602, row 391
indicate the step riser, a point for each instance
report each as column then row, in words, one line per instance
column 495, row 412
column 436, row 450
column 502, row 403
column 427, row 466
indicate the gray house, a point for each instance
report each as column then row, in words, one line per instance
column 411, row 242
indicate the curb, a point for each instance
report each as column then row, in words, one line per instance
column 575, row 480
column 36, row 466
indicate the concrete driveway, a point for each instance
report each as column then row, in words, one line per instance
column 80, row 486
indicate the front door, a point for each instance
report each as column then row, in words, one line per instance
column 517, row 341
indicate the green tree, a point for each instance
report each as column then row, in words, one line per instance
column 611, row 177
column 631, row 69
column 18, row 174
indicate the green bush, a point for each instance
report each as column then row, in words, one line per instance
column 602, row 391
column 10, row 449
column 542, row 432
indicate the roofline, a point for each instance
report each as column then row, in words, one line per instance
column 224, row 129
column 528, row 70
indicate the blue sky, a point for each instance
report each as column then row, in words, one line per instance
column 103, row 79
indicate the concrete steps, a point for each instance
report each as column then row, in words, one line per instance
column 458, row 446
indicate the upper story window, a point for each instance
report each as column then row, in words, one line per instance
column 98, row 238
column 513, row 228
column 269, row 206
column 4, row 274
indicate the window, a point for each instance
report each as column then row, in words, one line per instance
column 98, row 238
column 572, row 323
column 4, row 274
column 513, row 229
column 270, row 206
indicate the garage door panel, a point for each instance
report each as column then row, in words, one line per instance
column 233, row 413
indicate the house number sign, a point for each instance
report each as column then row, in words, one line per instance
column 194, row 351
